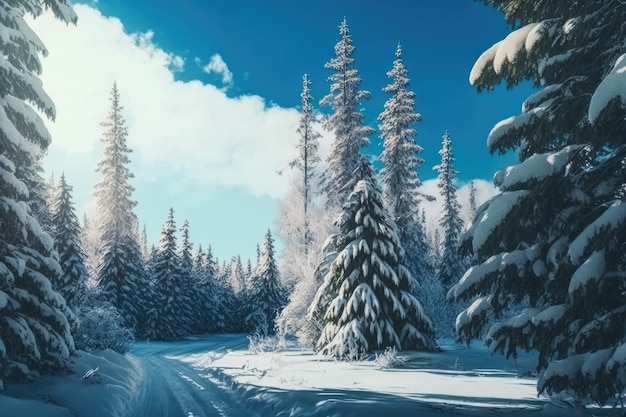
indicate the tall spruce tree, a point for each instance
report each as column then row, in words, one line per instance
column 35, row 321
column 67, row 244
column 266, row 296
column 345, row 122
column 401, row 161
column 555, row 236
column 308, row 146
column 366, row 297
column 452, row 264
column 120, row 273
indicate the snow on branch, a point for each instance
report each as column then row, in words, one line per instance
column 611, row 219
column 612, row 86
column 507, row 50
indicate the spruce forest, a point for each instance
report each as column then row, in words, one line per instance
column 348, row 269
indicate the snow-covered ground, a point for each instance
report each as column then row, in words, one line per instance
column 218, row 376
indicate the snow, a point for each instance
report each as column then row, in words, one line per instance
column 495, row 214
column 591, row 269
column 507, row 50
column 612, row 86
column 537, row 167
column 551, row 314
column 218, row 375
column 609, row 220
column 511, row 48
column 111, row 392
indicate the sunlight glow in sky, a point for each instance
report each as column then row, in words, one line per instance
column 211, row 92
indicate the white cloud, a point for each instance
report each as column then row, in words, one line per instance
column 181, row 132
column 217, row 66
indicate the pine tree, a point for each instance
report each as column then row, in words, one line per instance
column 345, row 122
column 120, row 272
column 35, row 321
column 168, row 320
column 266, row 297
column 554, row 238
column 67, row 244
column 401, row 162
column 366, row 296
column 452, row 265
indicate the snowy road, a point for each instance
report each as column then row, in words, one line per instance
column 217, row 376
column 173, row 388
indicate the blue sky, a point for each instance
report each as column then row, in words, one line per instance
column 210, row 90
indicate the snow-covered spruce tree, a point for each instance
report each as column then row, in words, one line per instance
column 67, row 244
column 35, row 321
column 399, row 177
column 266, row 296
column 452, row 264
column 186, row 270
column 302, row 225
column 366, row 294
column 206, row 293
column 308, row 160
column 345, row 122
column 166, row 318
column 555, row 236
column 120, row 271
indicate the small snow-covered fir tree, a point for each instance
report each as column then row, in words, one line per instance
column 452, row 264
column 401, row 161
column 266, row 296
column 345, row 122
column 120, row 272
column 67, row 244
column 366, row 296
column 554, row 238
column 35, row 320
column 167, row 319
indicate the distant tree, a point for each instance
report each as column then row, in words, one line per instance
column 302, row 225
column 554, row 237
column 472, row 201
column 345, row 122
column 401, row 162
column 186, row 270
column 67, row 244
column 167, row 319
column 308, row 159
column 90, row 243
column 452, row 264
column 366, row 296
column 120, row 272
column 35, row 321
column 143, row 244
column 266, row 297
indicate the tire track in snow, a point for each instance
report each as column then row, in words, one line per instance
column 175, row 389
